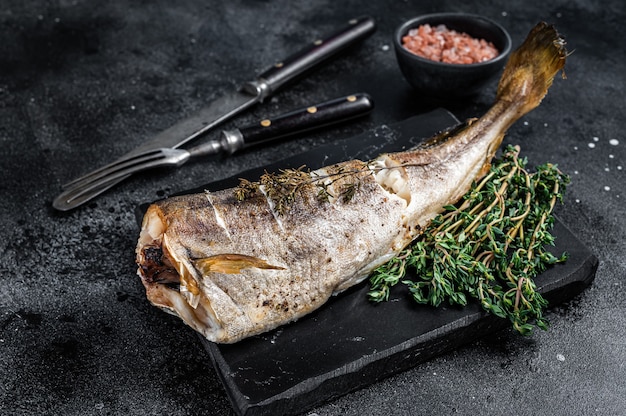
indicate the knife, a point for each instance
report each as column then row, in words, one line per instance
column 253, row 92
column 298, row 121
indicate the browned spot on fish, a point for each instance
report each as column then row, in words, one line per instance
column 157, row 267
column 232, row 264
column 153, row 255
column 484, row 170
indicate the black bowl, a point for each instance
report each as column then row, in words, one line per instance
column 446, row 81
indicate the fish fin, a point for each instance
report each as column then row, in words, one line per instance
column 232, row 264
column 532, row 67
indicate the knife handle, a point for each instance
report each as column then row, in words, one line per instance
column 316, row 53
column 298, row 121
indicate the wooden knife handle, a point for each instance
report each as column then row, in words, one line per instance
column 298, row 121
column 311, row 56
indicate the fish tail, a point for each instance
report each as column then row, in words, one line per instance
column 532, row 68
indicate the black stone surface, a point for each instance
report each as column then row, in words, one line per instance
column 82, row 82
column 349, row 343
column 333, row 352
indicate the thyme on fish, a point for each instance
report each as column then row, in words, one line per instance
column 246, row 189
column 348, row 190
column 283, row 187
column 490, row 246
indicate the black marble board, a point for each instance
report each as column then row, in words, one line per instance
column 349, row 342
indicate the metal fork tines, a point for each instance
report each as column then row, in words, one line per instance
column 98, row 181
column 127, row 166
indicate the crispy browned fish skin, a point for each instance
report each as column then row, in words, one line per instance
column 233, row 269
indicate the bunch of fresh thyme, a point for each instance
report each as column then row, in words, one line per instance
column 489, row 246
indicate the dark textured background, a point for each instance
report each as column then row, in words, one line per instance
column 83, row 82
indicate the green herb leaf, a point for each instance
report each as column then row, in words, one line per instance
column 489, row 246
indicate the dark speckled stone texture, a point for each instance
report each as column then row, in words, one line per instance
column 83, row 82
column 332, row 352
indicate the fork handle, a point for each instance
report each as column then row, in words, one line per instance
column 298, row 121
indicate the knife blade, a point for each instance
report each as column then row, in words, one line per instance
column 253, row 92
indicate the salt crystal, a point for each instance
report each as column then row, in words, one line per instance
column 578, row 201
column 560, row 357
column 614, row 142
column 526, row 123
column 591, row 145
column 132, row 107
column 504, row 14
column 575, row 147
column 385, row 47
column 619, row 168
column 606, row 169
column 611, row 157
column 275, row 336
column 607, row 188
column 596, row 139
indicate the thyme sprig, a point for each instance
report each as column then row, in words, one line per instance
column 284, row 186
column 490, row 246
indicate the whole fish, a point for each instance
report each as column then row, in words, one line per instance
column 242, row 261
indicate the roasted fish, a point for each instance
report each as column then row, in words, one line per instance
column 242, row 261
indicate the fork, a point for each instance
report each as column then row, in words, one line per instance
column 87, row 187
